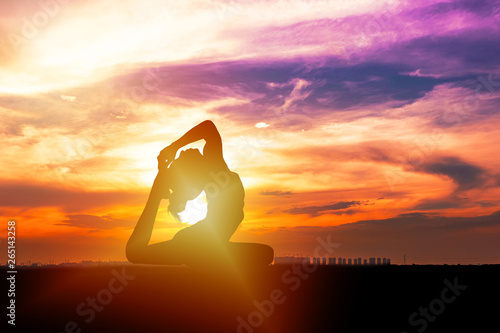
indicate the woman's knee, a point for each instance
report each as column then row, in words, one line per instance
column 267, row 253
column 260, row 253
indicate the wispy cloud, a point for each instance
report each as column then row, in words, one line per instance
column 326, row 209
column 467, row 176
column 285, row 194
column 95, row 223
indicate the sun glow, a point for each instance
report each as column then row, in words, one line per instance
column 196, row 210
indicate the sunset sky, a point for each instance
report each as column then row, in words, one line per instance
column 372, row 124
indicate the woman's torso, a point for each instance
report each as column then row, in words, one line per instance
column 225, row 201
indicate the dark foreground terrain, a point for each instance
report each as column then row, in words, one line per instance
column 137, row 298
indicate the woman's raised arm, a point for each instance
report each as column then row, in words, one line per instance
column 137, row 245
column 205, row 130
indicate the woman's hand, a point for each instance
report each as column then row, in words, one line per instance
column 167, row 155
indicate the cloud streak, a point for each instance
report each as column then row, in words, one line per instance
column 22, row 195
column 95, row 223
column 326, row 209
column 467, row 176
column 285, row 194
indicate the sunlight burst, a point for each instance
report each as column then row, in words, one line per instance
column 196, row 210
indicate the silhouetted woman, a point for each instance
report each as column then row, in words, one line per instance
column 183, row 179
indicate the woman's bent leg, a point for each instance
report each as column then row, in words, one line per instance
column 164, row 253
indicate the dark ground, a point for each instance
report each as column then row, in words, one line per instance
column 330, row 299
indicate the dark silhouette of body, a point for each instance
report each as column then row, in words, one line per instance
column 183, row 179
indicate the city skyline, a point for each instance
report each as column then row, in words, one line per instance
column 280, row 259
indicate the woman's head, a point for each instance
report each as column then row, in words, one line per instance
column 188, row 176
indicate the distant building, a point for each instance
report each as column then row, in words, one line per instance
column 365, row 262
column 379, row 261
column 372, row 261
column 384, row 261
column 343, row 261
column 340, row 260
column 89, row 263
column 355, row 261
column 388, row 261
column 349, row 261
column 324, row 261
column 68, row 264
column 359, row 261
column 290, row 260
